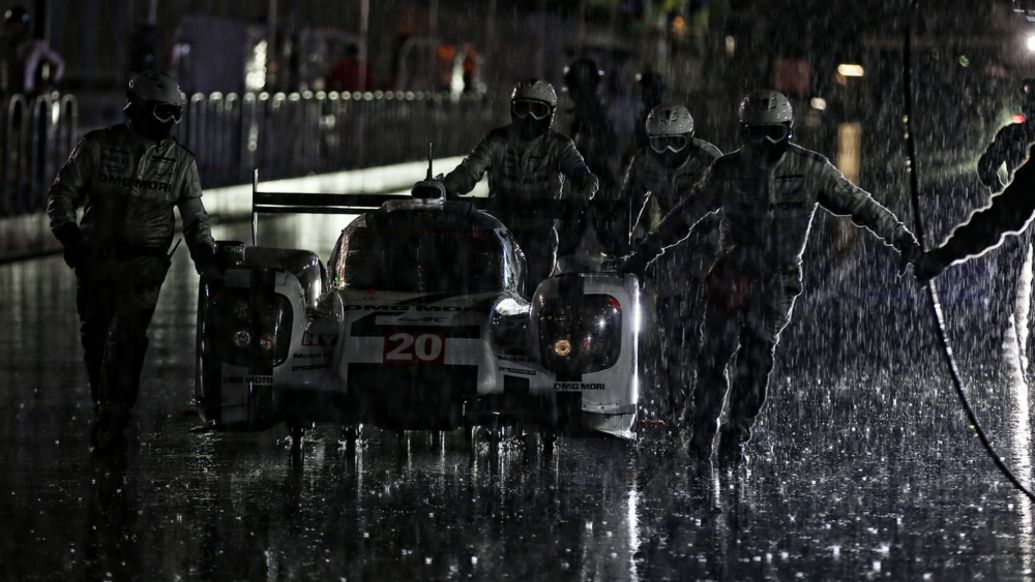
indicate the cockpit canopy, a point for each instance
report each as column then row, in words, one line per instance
column 420, row 247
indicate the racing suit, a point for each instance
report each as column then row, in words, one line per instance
column 1009, row 148
column 767, row 211
column 653, row 190
column 521, row 174
column 128, row 186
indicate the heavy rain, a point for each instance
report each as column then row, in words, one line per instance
column 371, row 361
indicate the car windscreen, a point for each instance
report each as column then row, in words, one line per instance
column 429, row 258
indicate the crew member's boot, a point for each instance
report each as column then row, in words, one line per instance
column 111, row 419
column 732, row 443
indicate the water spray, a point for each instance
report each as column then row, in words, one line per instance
column 932, row 289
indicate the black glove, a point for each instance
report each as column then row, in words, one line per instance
column 204, row 258
column 74, row 247
column 206, row 265
column 909, row 253
column 928, row 266
column 634, row 263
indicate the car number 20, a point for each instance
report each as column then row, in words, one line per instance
column 415, row 348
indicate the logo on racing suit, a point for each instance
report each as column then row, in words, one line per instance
column 163, row 167
column 579, row 386
column 126, row 182
column 115, row 161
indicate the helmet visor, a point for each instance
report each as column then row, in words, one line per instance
column 167, row 112
column 773, row 132
column 527, row 107
column 674, row 143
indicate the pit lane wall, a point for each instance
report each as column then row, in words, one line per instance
column 28, row 236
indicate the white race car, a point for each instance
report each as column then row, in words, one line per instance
column 418, row 321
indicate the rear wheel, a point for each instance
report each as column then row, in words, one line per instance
column 351, row 434
column 296, row 432
column 207, row 377
column 549, row 439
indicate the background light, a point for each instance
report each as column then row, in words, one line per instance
column 847, row 70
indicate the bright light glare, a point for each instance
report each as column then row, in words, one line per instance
column 818, row 103
column 847, row 70
column 1030, row 43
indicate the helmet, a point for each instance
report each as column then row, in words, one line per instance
column 16, row 14
column 581, row 71
column 669, row 120
column 157, row 87
column 766, row 107
column 652, row 86
column 534, row 90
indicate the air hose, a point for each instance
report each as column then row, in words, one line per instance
column 932, row 289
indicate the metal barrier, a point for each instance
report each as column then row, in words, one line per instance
column 282, row 134
column 36, row 136
column 295, row 134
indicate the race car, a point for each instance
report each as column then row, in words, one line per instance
column 419, row 320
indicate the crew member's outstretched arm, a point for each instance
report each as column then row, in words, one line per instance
column 843, row 198
column 584, row 183
column 677, row 224
column 463, row 178
column 196, row 224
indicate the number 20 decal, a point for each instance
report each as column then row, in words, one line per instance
column 414, row 348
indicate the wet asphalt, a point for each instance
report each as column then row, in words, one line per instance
column 862, row 465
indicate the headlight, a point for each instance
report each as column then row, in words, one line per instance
column 595, row 323
column 250, row 327
column 562, row 348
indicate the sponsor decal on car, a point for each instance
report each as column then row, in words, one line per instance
column 311, row 355
column 414, row 347
column 258, row 380
column 310, row 367
column 319, row 339
column 517, row 371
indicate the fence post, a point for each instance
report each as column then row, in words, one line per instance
column 249, row 131
column 38, row 133
column 14, row 158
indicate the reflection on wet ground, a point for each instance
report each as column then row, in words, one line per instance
column 860, row 469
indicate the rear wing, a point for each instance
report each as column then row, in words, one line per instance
column 321, row 203
column 311, row 203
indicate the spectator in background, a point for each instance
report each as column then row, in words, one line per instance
column 22, row 69
column 350, row 73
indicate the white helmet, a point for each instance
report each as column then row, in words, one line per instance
column 669, row 120
column 535, row 90
column 766, row 107
column 156, row 86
